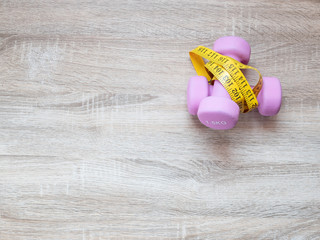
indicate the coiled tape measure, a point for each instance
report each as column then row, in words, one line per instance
column 227, row 71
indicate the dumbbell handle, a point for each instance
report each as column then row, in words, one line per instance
column 218, row 89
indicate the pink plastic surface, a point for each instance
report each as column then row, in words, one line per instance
column 218, row 90
column 269, row 98
column 219, row 111
column 235, row 47
column 197, row 91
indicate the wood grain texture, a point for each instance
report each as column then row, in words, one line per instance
column 96, row 141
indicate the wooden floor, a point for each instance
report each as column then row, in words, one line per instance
column 96, row 141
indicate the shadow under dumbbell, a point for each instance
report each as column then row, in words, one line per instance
column 220, row 145
column 255, row 121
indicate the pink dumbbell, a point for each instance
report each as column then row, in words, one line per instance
column 213, row 105
column 269, row 98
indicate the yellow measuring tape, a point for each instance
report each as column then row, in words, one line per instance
column 227, row 71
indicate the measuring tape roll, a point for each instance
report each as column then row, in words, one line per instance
column 227, row 71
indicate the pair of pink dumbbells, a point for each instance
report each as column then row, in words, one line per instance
column 212, row 103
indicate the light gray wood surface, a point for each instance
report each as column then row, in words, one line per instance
column 96, row 141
